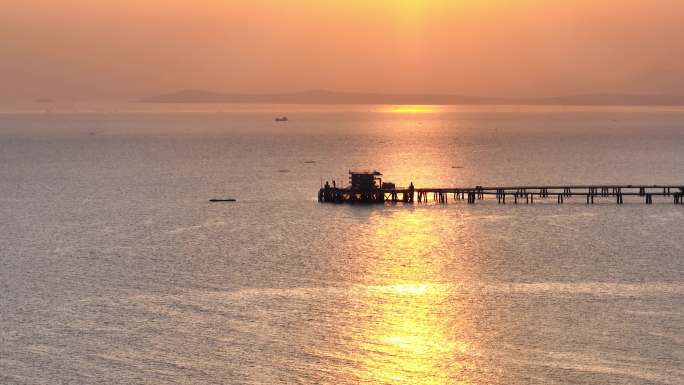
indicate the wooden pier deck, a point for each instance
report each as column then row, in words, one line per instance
column 504, row 194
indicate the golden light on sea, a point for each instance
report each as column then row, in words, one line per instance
column 413, row 109
column 409, row 334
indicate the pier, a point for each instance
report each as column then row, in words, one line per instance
column 368, row 187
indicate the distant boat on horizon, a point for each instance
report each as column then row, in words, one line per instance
column 282, row 119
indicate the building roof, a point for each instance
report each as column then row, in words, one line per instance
column 365, row 172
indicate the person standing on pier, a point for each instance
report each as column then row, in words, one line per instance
column 327, row 194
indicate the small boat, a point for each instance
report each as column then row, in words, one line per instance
column 282, row 119
column 223, row 200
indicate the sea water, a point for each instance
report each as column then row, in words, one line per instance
column 115, row 268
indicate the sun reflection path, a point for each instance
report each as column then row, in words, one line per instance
column 409, row 333
column 413, row 109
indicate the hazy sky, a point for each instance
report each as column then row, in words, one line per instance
column 131, row 48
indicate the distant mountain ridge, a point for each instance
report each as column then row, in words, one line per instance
column 333, row 97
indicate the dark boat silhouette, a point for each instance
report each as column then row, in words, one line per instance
column 223, row 200
column 282, row 119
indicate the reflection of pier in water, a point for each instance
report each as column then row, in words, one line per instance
column 368, row 187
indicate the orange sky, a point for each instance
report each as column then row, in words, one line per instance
column 131, row 48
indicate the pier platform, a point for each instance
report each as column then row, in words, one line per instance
column 367, row 187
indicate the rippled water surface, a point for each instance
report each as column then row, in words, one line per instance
column 115, row 269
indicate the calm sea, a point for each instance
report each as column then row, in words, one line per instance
column 115, row 269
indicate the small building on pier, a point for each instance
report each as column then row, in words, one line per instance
column 365, row 187
column 365, row 181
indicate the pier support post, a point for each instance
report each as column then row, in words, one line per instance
column 471, row 197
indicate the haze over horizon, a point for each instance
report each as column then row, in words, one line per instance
column 77, row 49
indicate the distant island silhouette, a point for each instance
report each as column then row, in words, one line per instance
column 333, row 97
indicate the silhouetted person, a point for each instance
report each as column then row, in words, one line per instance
column 327, row 191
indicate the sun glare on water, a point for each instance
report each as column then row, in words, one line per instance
column 407, row 331
column 408, row 109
